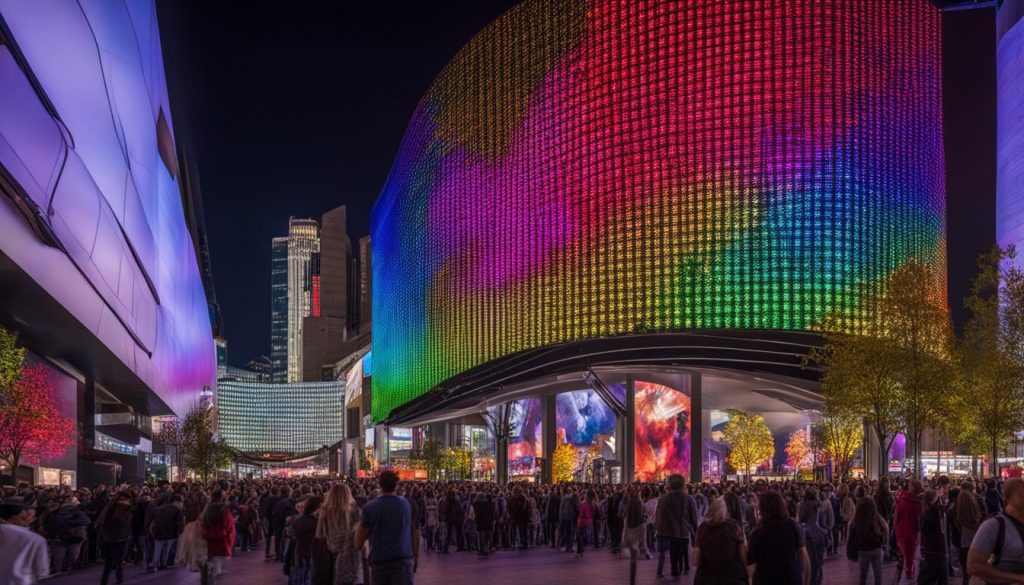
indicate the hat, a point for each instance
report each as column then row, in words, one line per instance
column 12, row 507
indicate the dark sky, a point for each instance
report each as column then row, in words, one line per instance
column 295, row 108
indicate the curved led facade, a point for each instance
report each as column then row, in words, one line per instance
column 91, row 200
column 1010, row 125
column 265, row 418
column 588, row 169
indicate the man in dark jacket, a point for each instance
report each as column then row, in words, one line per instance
column 283, row 508
column 554, row 503
column 167, row 527
column 568, row 512
column 519, row 511
column 675, row 523
column 267, row 503
column 483, row 509
column 615, row 521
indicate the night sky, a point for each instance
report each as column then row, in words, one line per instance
column 296, row 108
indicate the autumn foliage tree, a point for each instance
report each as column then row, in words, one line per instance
column 798, row 450
column 750, row 441
column 563, row 463
column 32, row 428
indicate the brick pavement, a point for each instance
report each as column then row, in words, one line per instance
column 532, row 567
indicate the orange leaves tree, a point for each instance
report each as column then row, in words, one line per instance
column 798, row 451
column 32, row 428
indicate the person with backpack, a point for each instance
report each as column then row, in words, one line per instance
column 996, row 555
column 720, row 549
column 247, row 528
column 568, row 512
column 218, row 530
column 777, row 553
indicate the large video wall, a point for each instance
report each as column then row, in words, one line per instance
column 594, row 168
column 89, row 164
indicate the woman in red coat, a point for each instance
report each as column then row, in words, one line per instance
column 219, row 533
column 907, row 523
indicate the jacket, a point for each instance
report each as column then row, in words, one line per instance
column 483, row 508
column 676, row 516
column 219, row 536
column 908, row 515
column 169, row 522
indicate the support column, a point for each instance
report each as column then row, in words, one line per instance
column 549, row 434
column 696, row 428
column 628, row 457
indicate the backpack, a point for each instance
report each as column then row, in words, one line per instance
column 997, row 552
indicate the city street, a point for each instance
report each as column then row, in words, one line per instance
column 532, row 567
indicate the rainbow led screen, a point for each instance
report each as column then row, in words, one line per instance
column 586, row 169
column 662, row 433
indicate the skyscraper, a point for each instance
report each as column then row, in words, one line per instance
column 279, row 309
column 303, row 242
column 1010, row 125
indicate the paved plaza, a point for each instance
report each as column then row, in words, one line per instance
column 532, row 567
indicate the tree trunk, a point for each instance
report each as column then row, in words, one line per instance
column 994, row 462
column 883, row 455
column 938, row 457
column 501, row 461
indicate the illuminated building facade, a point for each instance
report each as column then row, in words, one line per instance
column 681, row 184
column 303, row 243
column 279, row 309
column 1010, row 125
column 280, row 420
column 99, row 268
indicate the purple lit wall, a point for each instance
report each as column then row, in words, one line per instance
column 88, row 152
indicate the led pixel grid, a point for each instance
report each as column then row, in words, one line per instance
column 586, row 169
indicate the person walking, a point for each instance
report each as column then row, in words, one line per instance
column 568, row 513
column 720, row 550
column 218, row 530
column 339, row 517
column 483, row 509
column 585, row 522
column 816, row 538
column 777, row 554
column 167, row 526
column 551, row 517
column 934, row 556
column 304, row 531
column 519, row 513
column 24, row 557
column 633, row 530
column 284, row 508
column 386, row 523
column 967, row 517
column 1005, row 529
column 114, row 533
column 675, row 522
column 866, row 541
column 907, row 521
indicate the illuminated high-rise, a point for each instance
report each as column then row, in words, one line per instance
column 303, row 243
column 1010, row 125
column 279, row 309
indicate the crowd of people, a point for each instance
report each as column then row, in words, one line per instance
column 342, row 532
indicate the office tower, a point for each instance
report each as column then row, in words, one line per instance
column 326, row 332
column 279, row 309
column 303, row 242
column 365, row 284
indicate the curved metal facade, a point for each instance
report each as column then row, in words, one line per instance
column 590, row 169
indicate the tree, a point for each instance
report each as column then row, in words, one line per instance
column 457, row 463
column 914, row 316
column 432, row 456
column 859, row 379
column 842, row 434
column 194, row 443
column 564, row 460
column 992, row 356
column 12, row 358
column 798, row 451
column 32, row 428
column 750, row 441
column 499, row 421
